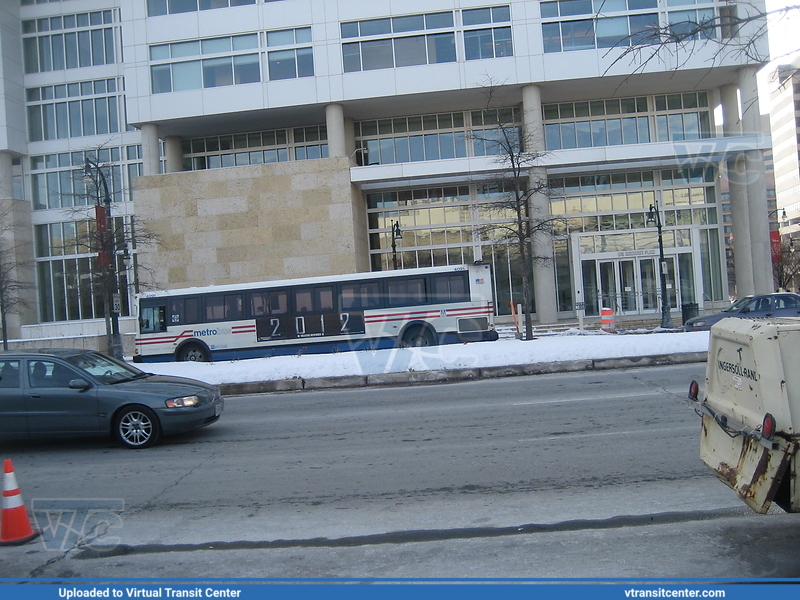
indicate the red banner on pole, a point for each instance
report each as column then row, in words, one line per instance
column 775, row 243
column 101, row 220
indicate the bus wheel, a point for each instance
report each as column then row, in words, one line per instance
column 193, row 353
column 418, row 337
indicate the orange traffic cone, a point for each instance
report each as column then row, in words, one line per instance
column 15, row 527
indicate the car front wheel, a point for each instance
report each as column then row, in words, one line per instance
column 137, row 427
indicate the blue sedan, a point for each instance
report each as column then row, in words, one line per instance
column 58, row 393
column 781, row 304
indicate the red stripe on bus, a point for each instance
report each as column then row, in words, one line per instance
column 429, row 314
column 187, row 333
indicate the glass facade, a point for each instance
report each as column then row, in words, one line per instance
column 73, row 110
column 437, row 136
column 445, row 226
column 626, row 121
column 389, row 43
column 592, row 24
column 255, row 148
column 229, row 62
column 68, row 42
column 606, row 233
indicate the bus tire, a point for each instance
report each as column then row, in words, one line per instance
column 418, row 336
column 193, row 353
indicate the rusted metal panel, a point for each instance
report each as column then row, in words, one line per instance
column 753, row 470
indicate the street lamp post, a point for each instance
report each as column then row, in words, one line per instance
column 397, row 236
column 106, row 256
column 654, row 218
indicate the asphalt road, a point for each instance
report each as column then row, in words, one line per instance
column 589, row 474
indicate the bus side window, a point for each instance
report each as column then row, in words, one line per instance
column 259, row 304
column 215, row 308
column 278, row 302
column 371, row 295
column 152, row 319
column 406, row 292
column 417, row 293
column 233, row 306
column 350, row 296
column 303, row 301
column 192, row 310
column 176, row 311
column 324, row 299
column 450, row 288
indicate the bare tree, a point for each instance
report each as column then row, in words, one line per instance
column 786, row 265
column 737, row 30
column 12, row 285
column 513, row 214
column 114, row 238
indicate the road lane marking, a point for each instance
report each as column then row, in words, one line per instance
column 572, row 436
column 594, row 397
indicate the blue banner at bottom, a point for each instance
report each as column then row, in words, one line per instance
column 399, row 590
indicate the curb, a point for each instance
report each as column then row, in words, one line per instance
column 298, row 384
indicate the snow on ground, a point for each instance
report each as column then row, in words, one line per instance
column 571, row 345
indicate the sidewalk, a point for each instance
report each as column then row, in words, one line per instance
column 455, row 375
column 444, row 364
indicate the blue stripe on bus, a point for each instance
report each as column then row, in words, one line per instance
column 219, row 354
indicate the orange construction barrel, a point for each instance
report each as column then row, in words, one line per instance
column 607, row 320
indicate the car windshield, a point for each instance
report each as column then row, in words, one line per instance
column 106, row 369
column 737, row 306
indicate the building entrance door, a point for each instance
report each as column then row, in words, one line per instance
column 617, row 286
column 633, row 285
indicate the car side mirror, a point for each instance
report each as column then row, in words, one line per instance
column 79, row 384
column 745, row 311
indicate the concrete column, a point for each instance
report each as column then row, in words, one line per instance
column 751, row 109
column 731, row 118
column 173, row 154
column 6, row 175
column 337, row 139
column 740, row 226
column 150, row 149
column 350, row 136
column 544, row 266
column 758, row 209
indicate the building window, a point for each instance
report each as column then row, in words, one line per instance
column 57, row 179
column 487, row 42
column 587, row 124
column 692, row 24
column 606, row 32
column 398, row 50
column 687, row 118
column 589, row 24
column 255, row 148
column 435, row 137
column 444, row 226
column 71, row 41
column 290, row 63
column 171, row 7
column 94, row 113
column 626, row 121
column 236, row 69
column 69, row 283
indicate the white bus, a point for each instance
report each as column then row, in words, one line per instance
column 412, row 307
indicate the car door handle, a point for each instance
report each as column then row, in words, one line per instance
column 36, row 396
